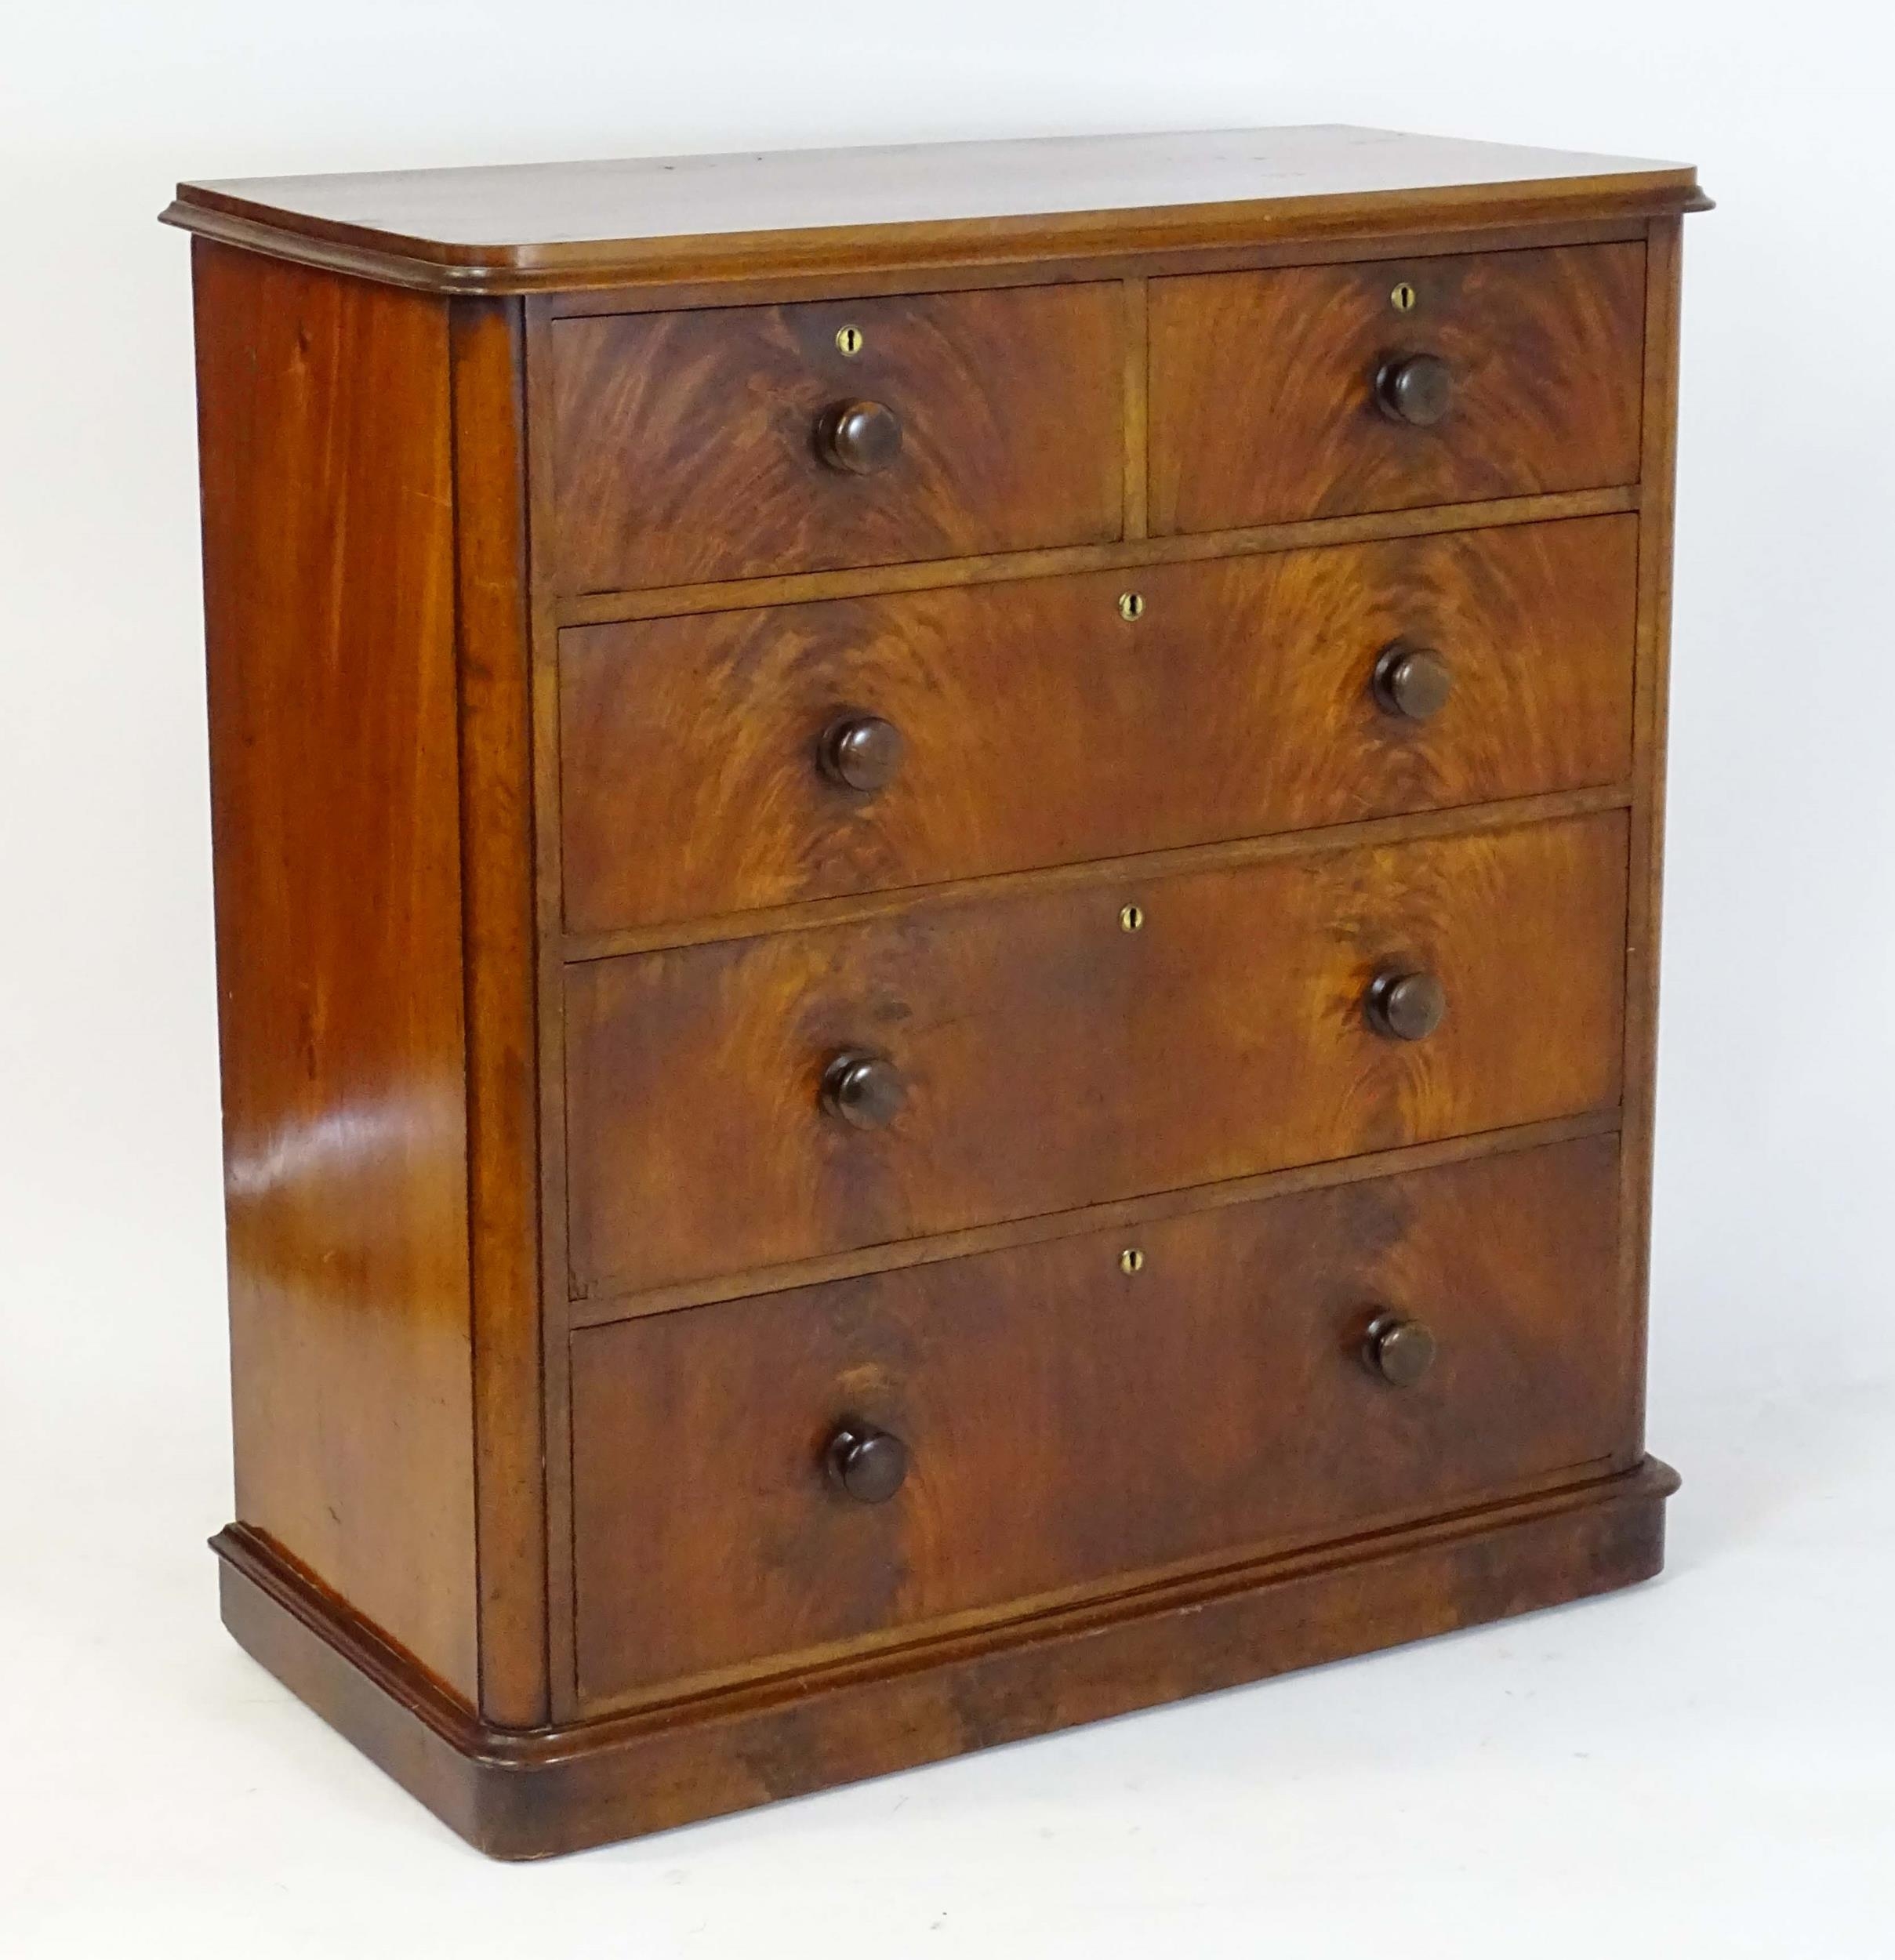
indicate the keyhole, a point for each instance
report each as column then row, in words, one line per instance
column 1131, row 919
column 1403, row 298
column 1131, row 605
column 1131, row 1261
column 849, row 339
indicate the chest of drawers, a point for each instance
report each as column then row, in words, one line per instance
column 936, row 886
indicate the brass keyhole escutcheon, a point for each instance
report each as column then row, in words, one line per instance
column 1131, row 918
column 1403, row 298
column 849, row 339
column 1131, row 605
column 1131, row 1261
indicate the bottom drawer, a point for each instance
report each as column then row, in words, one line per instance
column 1065, row 1422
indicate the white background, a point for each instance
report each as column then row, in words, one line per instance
column 1704, row 1766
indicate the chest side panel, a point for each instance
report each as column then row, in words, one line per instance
column 328, row 568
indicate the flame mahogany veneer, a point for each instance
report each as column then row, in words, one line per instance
column 937, row 889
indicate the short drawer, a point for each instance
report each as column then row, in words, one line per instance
column 737, row 1104
column 1321, row 390
column 728, row 762
column 711, row 445
column 1277, row 1371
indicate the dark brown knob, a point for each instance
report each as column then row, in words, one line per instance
column 865, row 1090
column 1415, row 390
column 859, row 436
column 861, row 752
column 1407, row 1006
column 1412, row 682
column 866, row 1463
column 1397, row 1350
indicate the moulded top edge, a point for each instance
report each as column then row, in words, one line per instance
column 524, row 227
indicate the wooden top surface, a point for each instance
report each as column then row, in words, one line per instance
column 525, row 226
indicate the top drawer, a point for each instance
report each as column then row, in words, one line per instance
column 1275, row 396
column 695, row 447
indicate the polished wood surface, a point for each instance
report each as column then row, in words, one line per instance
column 1037, row 726
column 513, row 228
column 1659, row 470
column 324, row 442
column 937, row 936
column 564, row 1788
column 501, row 954
column 1263, row 403
column 1119, row 1214
column 690, row 446
column 1066, row 1423
column 1052, row 1058
column 998, row 567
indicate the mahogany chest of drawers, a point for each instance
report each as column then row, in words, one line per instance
column 937, row 888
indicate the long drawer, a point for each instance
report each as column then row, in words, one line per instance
column 769, row 1476
column 859, row 745
column 735, row 1104
column 1317, row 390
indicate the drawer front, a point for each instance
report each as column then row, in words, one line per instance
column 692, row 446
column 1043, row 1056
column 1065, row 1423
column 1265, row 405
column 1036, row 725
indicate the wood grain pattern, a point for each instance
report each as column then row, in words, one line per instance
column 685, row 451
column 1093, row 874
column 1650, row 720
column 561, row 1789
column 1120, row 1214
column 1262, row 398
column 733, row 595
column 1068, row 1425
column 556, row 1350
column 1475, row 231
column 501, row 954
column 1055, row 1060
column 325, row 442
column 518, row 227
column 1041, row 727
column 1137, row 419
column 551, row 1272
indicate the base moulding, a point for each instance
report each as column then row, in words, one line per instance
column 531, row 1794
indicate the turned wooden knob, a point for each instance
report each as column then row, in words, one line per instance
column 866, row 1463
column 1416, row 389
column 859, row 436
column 861, row 752
column 862, row 1089
column 1397, row 1350
column 1406, row 1006
column 1411, row 682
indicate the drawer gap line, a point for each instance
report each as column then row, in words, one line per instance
column 1231, row 855
column 606, row 1306
column 737, row 595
